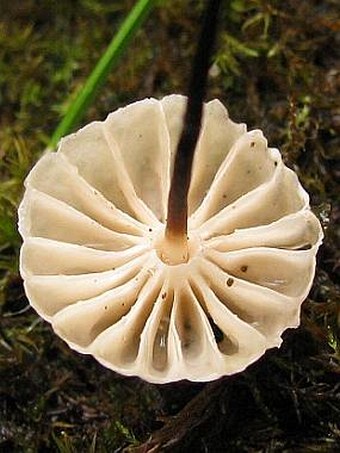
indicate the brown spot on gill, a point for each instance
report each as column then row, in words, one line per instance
column 230, row 281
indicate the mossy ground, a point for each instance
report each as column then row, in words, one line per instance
column 276, row 68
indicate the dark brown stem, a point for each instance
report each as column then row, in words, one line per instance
column 200, row 409
column 178, row 195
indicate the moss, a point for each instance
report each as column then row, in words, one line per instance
column 275, row 68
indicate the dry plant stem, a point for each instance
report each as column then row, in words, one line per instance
column 176, row 227
column 178, row 427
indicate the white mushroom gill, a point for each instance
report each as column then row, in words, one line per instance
column 97, row 265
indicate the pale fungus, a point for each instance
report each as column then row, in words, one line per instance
column 101, row 264
column 167, row 241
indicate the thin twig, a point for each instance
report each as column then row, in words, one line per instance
column 194, row 414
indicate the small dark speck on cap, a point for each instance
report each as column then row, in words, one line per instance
column 230, row 281
column 252, row 144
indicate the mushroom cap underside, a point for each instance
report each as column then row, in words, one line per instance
column 93, row 218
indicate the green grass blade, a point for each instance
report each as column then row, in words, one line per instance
column 99, row 74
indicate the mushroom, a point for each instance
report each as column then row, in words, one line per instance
column 102, row 265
